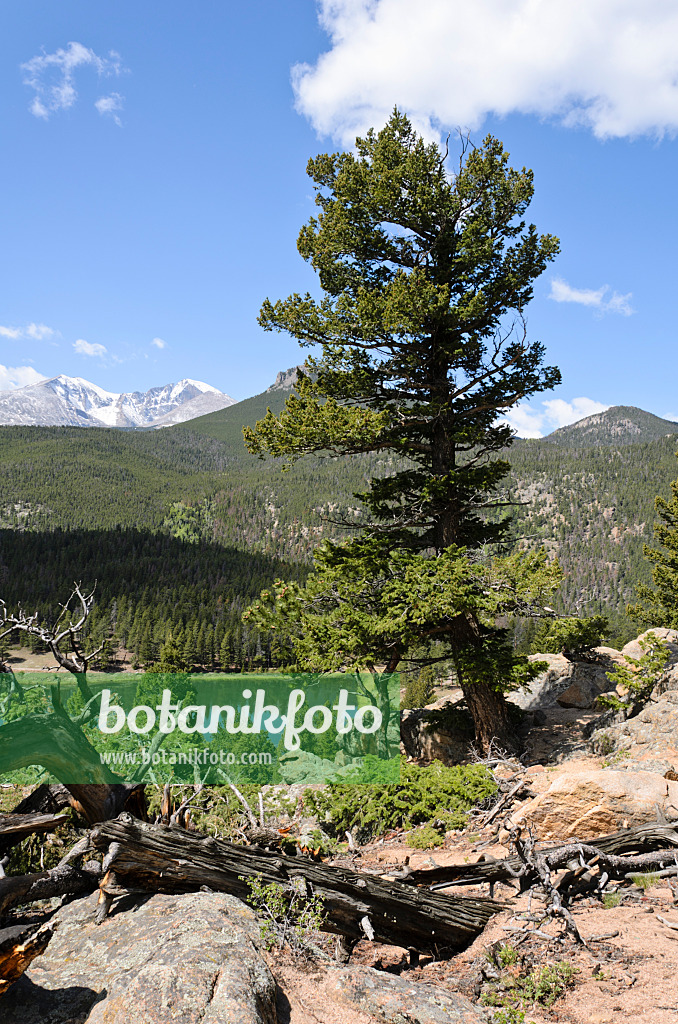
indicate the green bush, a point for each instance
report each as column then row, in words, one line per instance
column 514, row 990
column 638, row 676
column 288, row 915
column 423, row 795
column 419, row 690
column 575, row 638
column 425, row 838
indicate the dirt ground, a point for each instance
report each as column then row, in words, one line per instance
column 627, row 971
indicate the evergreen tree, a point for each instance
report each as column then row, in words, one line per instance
column 425, row 276
column 659, row 606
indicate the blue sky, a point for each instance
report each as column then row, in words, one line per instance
column 153, row 175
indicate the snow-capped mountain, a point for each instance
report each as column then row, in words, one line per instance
column 72, row 401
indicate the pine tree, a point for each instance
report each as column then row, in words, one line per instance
column 426, row 276
column 659, row 606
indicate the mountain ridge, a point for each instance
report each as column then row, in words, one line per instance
column 620, row 424
column 76, row 402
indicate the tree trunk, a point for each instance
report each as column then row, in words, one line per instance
column 491, row 719
column 19, row 946
column 163, row 858
column 63, row 880
column 14, row 828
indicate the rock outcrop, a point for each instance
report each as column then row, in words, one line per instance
column 597, row 802
column 191, row 959
column 421, row 739
column 670, row 636
column 392, row 1000
column 652, row 732
column 568, row 683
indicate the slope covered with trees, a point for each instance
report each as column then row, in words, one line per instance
column 109, row 505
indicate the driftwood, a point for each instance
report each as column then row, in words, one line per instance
column 16, row 827
column 645, row 841
column 19, row 946
column 161, row 858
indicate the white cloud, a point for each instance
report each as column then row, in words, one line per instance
column 561, row 291
column 87, row 348
column 110, row 105
column 18, row 377
column 528, row 421
column 608, row 65
column 36, row 332
column 52, row 77
column 159, row 343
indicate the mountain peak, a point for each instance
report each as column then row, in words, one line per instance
column 618, row 425
column 74, row 401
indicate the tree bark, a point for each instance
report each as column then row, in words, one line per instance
column 63, row 880
column 490, row 713
column 19, row 946
column 14, row 828
column 160, row 858
column 58, row 744
column 44, row 800
column 644, row 840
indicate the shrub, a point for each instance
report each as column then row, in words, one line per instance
column 514, row 991
column 423, row 795
column 638, row 676
column 425, row 838
column 575, row 638
column 289, row 916
column 419, row 690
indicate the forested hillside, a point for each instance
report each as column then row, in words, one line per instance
column 594, row 509
column 181, row 527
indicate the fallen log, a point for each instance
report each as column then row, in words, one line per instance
column 14, row 828
column 63, row 880
column 44, row 799
column 641, row 840
column 162, row 858
column 19, row 946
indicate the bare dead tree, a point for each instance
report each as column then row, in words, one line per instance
column 64, row 637
column 55, row 740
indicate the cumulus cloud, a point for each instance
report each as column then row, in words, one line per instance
column 87, row 348
column 52, row 78
column 35, row 332
column 529, row 421
column 608, row 65
column 561, row 291
column 159, row 343
column 18, row 377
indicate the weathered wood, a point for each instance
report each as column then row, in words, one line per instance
column 44, row 799
column 641, row 840
column 100, row 802
column 161, row 858
column 63, row 880
column 19, row 946
column 95, row 802
column 14, row 828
